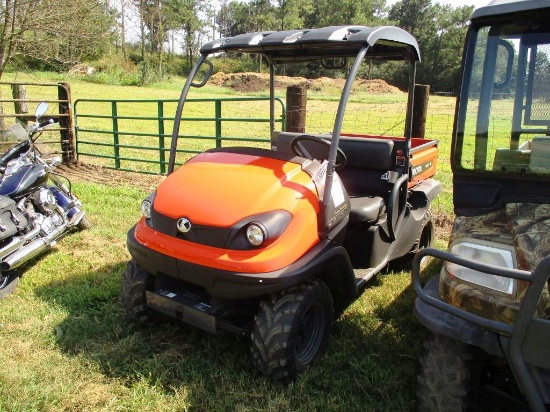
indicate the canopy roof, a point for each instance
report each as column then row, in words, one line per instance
column 500, row 7
column 386, row 43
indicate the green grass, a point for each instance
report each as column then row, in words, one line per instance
column 67, row 345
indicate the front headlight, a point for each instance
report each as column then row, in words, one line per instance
column 258, row 231
column 146, row 208
column 147, row 205
column 483, row 252
column 255, row 234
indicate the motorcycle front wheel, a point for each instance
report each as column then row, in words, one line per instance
column 84, row 224
column 8, row 282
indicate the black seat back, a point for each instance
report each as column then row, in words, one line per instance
column 369, row 160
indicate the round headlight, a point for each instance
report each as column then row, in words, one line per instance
column 146, row 208
column 255, row 234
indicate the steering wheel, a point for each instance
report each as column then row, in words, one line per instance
column 298, row 148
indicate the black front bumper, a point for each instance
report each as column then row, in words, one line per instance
column 223, row 284
column 444, row 323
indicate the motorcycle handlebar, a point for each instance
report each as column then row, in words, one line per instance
column 46, row 123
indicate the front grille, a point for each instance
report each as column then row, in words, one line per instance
column 201, row 234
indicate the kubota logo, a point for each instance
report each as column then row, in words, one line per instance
column 184, row 225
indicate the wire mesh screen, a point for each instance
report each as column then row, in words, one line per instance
column 538, row 99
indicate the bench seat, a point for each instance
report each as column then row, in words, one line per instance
column 366, row 209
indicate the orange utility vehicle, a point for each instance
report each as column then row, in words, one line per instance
column 273, row 243
column 489, row 308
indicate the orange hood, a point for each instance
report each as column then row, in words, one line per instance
column 221, row 188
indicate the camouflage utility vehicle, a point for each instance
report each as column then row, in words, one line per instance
column 488, row 309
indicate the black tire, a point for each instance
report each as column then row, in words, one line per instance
column 8, row 282
column 447, row 377
column 291, row 329
column 84, row 223
column 135, row 282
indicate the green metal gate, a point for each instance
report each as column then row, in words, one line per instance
column 135, row 135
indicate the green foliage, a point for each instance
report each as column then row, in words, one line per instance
column 234, row 64
column 440, row 32
column 113, row 69
column 175, row 65
column 360, row 12
column 172, row 30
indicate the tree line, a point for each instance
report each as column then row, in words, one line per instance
column 154, row 38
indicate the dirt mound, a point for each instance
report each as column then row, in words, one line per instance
column 253, row 82
column 256, row 82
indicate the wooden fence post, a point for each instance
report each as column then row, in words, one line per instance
column 296, row 100
column 66, row 123
column 420, row 110
column 19, row 92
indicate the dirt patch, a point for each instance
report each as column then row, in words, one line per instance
column 257, row 82
column 97, row 174
column 443, row 224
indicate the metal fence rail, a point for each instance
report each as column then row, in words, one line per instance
column 135, row 135
column 16, row 109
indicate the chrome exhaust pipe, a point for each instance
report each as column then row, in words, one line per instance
column 10, row 247
column 31, row 250
column 17, row 241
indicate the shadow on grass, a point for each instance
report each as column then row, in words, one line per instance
column 370, row 363
column 170, row 354
column 377, row 342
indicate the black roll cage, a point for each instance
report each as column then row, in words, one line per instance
column 382, row 43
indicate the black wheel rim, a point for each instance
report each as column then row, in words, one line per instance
column 312, row 328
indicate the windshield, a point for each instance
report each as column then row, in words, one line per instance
column 503, row 124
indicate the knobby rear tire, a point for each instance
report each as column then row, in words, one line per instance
column 425, row 240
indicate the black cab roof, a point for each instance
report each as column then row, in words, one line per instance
column 500, row 7
column 385, row 42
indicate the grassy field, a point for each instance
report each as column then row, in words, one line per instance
column 372, row 113
column 67, row 345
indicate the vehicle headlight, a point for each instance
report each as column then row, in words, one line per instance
column 146, row 208
column 486, row 253
column 258, row 231
column 255, row 233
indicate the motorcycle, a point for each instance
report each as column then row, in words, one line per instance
column 37, row 206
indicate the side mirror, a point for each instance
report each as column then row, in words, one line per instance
column 41, row 109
